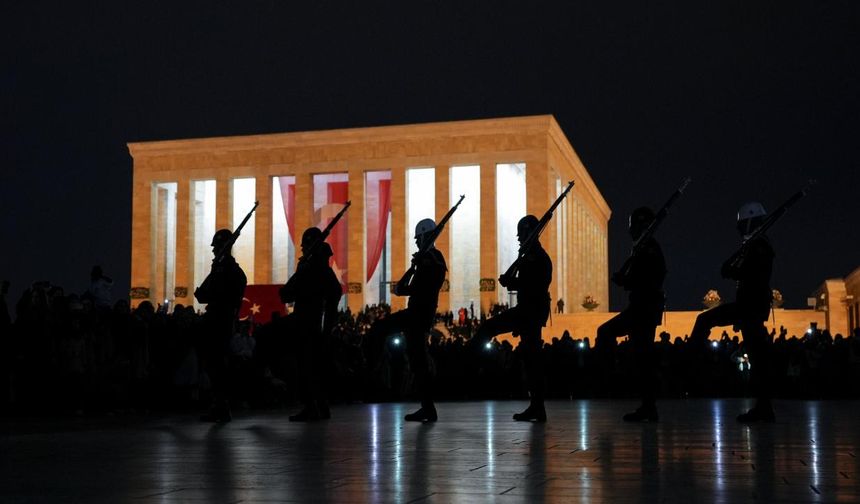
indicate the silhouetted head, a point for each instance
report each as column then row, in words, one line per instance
column 96, row 272
column 525, row 227
column 311, row 236
column 639, row 221
column 750, row 216
column 220, row 240
column 423, row 231
column 145, row 309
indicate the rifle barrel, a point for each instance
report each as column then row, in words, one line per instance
column 406, row 279
column 233, row 237
column 533, row 237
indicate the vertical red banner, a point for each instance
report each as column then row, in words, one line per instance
column 378, row 208
column 288, row 196
column 338, row 194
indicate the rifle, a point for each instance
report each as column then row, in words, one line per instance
column 204, row 287
column 646, row 235
column 326, row 231
column 223, row 251
column 737, row 258
column 534, row 236
column 286, row 292
column 406, row 279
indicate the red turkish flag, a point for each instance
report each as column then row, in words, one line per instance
column 260, row 302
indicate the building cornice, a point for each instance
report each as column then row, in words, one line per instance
column 583, row 179
column 448, row 129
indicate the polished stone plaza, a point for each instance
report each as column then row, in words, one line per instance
column 474, row 453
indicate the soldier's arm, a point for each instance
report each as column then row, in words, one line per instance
column 334, row 291
column 288, row 291
column 203, row 293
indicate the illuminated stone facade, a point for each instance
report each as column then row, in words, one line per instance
column 184, row 189
column 839, row 300
column 852, row 299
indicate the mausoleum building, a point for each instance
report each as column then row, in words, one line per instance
column 394, row 176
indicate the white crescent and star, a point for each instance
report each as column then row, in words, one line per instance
column 255, row 308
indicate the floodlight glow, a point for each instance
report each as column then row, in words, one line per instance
column 714, row 344
column 581, row 344
column 488, row 345
column 396, row 341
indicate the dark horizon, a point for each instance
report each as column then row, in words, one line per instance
column 761, row 95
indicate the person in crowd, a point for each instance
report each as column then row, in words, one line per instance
column 100, row 289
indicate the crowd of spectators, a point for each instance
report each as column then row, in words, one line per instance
column 76, row 354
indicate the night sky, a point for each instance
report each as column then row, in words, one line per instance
column 749, row 98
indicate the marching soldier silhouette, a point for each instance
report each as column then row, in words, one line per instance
column 222, row 292
column 751, row 268
column 531, row 282
column 529, row 275
column 642, row 276
column 422, row 284
column 316, row 291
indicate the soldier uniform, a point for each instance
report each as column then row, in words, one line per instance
column 751, row 268
column 222, row 292
column 643, row 279
column 418, row 318
column 531, row 282
column 316, row 291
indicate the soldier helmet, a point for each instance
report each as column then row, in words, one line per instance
column 221, row 237
column 750, row 216
column 751, row 210
column 642, row 215
column 311, row 235
column 526, row 225
column 424, row 226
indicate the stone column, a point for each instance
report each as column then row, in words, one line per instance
column 539, row 195
column 304, row 207
column 356, row 268
column 443, row 203
column 603, row 266
column 159, row 269
column 551, row 234
column 263, row 232
column 488, row 246
column 836, row 316
column 141, row 241
column 183, row 290
column 569, row 296
column 398, row 231
column 223, row 203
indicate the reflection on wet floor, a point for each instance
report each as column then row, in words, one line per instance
column 366, row 453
